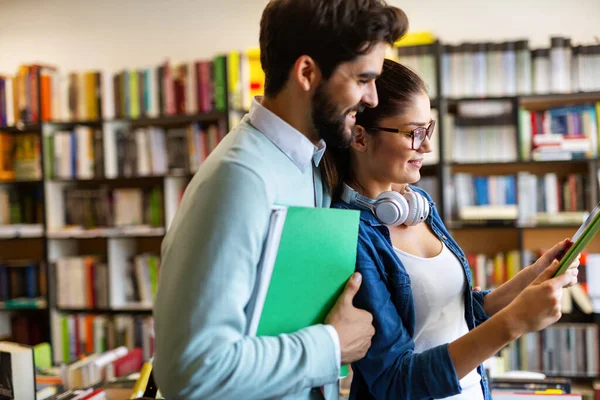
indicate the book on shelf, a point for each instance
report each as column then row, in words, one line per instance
column 484, row 197
column 77, row 335
column 489, row 272
column 560, row 133
column 20, row 157
column 17, row 371
column 117, row 208
column 553, row 199
column 559, row 350
column 22, row 279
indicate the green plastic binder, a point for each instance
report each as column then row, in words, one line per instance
column 309, row 255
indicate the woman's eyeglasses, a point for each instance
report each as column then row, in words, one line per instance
column 418, row 135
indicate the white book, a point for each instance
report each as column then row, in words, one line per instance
column 152, row 92
column 17, row 371
column 108, row 100
column 191, row 90
column 10, row 105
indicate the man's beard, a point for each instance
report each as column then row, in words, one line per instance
column 329, row 122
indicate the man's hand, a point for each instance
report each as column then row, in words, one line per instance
column 354, row 326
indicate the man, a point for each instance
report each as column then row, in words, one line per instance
column 321, row 59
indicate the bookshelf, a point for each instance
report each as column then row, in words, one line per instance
column 139, row 131
column 493, row 122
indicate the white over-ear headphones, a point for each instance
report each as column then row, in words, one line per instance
column 391, row 208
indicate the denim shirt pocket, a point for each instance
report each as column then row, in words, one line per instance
column 400, row 291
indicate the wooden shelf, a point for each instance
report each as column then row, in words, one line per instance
column 105, row 310
column 72, row 124
column 212, row 116
column 21, row 128
column 546, row 100
column 122, row 179
column 21, row 231
column 123, row 232
column 22, row 182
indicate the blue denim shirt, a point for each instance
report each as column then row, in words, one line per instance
column 391, row 369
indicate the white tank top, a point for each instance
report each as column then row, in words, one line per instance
column 438, row 285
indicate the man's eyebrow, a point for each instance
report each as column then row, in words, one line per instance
column 418, row 123
column 369, row 75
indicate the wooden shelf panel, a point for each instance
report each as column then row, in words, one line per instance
column 536, row 239
column 487, row 241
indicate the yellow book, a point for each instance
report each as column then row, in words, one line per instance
column 233, row 80
column 90, row 96
column 416, row 39
column 140, row 385
column 134, row 95
column 499, row 269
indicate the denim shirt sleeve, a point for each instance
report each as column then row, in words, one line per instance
column 478, row 311
column 391, row 368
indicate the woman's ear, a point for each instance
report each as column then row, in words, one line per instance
column 359, row 141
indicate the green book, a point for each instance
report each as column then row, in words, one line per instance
column 308, row 256
column 580, row 240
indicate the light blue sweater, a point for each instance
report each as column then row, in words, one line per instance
column 209, row 260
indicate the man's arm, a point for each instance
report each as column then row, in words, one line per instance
column 207, row 274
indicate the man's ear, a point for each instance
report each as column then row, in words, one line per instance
column 306, row 73
column 359, row 139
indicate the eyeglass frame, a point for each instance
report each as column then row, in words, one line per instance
column 411, row 134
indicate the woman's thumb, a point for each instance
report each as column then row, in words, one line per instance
column 547, row 273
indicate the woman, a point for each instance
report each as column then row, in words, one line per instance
column 432, row 331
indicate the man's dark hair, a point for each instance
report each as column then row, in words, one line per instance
column 329, row 31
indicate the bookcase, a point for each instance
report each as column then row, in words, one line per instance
column 105, row 159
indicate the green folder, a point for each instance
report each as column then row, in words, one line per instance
column 309, row 255
column 580, row 240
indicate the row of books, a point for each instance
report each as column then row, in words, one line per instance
column 20, row 157
column 21, row 93
column 22, row 278
column 102, row 207
column 83, row 281
column 480, row 143
column 40, row 92
column 560, row 133
column 484, row 197
column 513, row 68
column 489, row 272
column 559, row 350
column 550, row 198
column 20, row 206
column 77, row 335
column 27, row 374
column 28, row 330
column 420, row 59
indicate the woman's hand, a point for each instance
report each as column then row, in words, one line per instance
column 507, row 292
column 557, row 252
column 539, row 305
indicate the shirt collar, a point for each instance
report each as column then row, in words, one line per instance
column 287, row 138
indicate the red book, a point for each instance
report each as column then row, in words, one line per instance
column 129, row 363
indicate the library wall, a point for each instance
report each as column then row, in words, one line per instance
column 112, row 34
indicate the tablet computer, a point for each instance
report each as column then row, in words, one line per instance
column 580, row 240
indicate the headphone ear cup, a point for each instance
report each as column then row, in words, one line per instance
column 391, row 208
column 418, row 208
